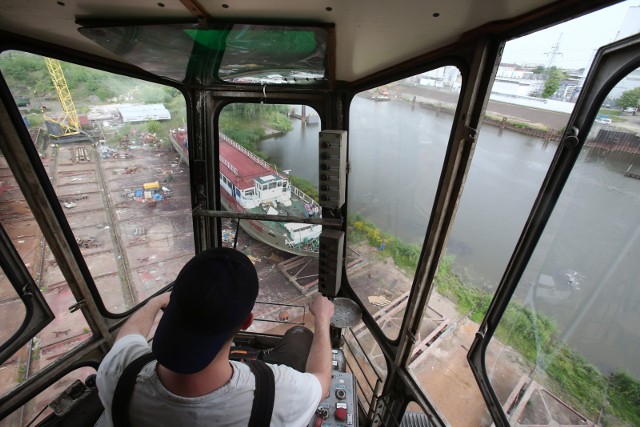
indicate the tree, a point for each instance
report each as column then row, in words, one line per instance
column 539, row 69
column 629, row 99
column 552, row 83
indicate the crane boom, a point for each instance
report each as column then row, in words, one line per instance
column 68, row 120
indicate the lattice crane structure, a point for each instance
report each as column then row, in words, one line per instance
column 67, row 124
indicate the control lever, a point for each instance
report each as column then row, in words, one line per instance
column 321, row 415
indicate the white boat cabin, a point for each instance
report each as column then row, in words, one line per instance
column 301, row 233
column 267, row 190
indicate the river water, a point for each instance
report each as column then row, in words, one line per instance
column 585, row 271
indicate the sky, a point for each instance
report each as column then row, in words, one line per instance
column 577, row 39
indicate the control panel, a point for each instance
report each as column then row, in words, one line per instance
column 333, row 168
column 330, row 261
column 339, row 408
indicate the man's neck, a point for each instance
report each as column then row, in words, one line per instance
column 211, row 378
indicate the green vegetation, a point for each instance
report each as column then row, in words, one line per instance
column 552, row 82
column 404, row 255
column 27, row 77
column 532, row 334
column 247, row 123
column 624, row 396
column 305, row 186
column 629, row 99
column 22, row 373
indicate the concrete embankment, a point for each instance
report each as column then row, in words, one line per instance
column 552, row 119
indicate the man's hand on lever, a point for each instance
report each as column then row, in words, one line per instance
column 319, row 361
column 142, row 320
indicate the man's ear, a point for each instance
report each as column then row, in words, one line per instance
column 247, row 322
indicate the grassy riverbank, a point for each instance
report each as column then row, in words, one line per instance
column 614, row 399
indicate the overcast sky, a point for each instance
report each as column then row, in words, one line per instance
column 577, row 39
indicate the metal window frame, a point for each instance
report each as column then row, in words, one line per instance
column 38, row 314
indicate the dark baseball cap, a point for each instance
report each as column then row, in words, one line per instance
column 213, row 293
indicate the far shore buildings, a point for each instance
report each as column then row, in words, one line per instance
column 513, row 80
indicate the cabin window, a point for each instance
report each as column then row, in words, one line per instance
column 366, row 360
column 398, row 136
column 561, row 339
column 574, row 322
column 249, row 54
column 109, row 164
column 67, row 330
column 257, row 142
column 13, row 312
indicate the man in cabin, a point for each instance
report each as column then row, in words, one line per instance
column 193, row 382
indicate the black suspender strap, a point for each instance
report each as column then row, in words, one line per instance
column 263, row 397
column 124, row 390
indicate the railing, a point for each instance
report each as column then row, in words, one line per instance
column 245, row 151
column 229, row 165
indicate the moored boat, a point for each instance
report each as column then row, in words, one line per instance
column 250, row 184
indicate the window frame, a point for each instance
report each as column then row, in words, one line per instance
column 38, row 314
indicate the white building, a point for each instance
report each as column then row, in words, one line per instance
column 444, row 77
column 143, row 113
column 517, row 87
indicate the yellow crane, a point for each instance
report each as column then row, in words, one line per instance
column 68, row 121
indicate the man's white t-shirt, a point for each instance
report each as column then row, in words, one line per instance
column 297, row 394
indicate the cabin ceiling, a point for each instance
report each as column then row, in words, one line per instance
column 371, row 35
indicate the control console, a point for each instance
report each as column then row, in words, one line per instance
column 339, row 408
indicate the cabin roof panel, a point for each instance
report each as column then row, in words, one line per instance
column 371, row 35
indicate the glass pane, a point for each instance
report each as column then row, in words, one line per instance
column 268, row 165
column 569, row 340
column 13, row 311
column 67, row 330
column 44, row 404
column 119, row 181
column 516, row 145
column 397, row 143
column 249, row 53
column 364, row 359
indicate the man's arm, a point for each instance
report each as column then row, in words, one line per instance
column 319, row 360
column 142, row 320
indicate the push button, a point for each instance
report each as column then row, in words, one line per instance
column 341, row 414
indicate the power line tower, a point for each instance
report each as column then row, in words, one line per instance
column 67, row 124
column 555, row 51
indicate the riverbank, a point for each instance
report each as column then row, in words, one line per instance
column 527, row 119
column 525, row 355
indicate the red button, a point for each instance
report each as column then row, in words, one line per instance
column 341, row 414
